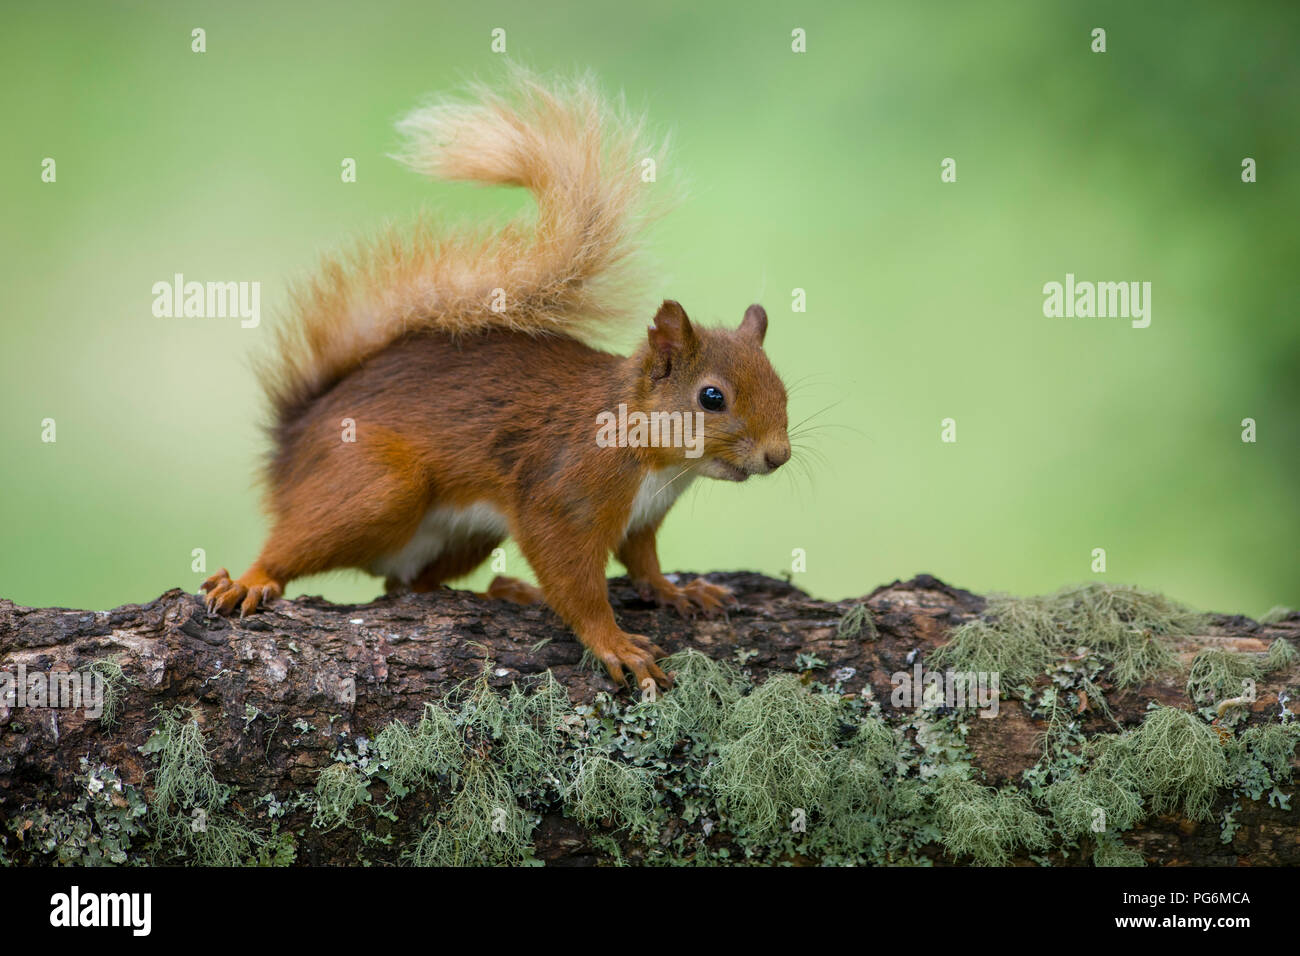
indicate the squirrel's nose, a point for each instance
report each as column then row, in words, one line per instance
column 777, row 457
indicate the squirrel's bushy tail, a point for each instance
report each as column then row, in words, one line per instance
column 579, row 155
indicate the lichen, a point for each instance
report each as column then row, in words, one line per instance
column 1101, row 795
column 420, row 755
column 1217, row 674
column 722, row 769
column 777, row 755
column 188, row 809
column 704, row 692
column 983, row 823
column 1111, row 851
column 1018, row 638
column 856, row 620
column 115, row 681
column 1276, row 615
column 1281, row 656
column 603, row 790
column 480, row 825
column 104, row 825
column 340, row 789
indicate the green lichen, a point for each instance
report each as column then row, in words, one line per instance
column 184, row 777
column 1175, row 758
column 866, row 807
column 188, row 810
column 1217, row 674
column 1100, row 796
column 340, row 789
column 1173, row 762
column 105, row 825
column 115, row 681
column 777, row 756
column 985, row 824
column 527, row 728
column 856, row 621
column 1018, row 638
column 1277, row 615
column 721, row 770
column 420, row 755
column 480, row 825
column 707, row 753
column 1014, row 653
column 603, row 790
column 1111, row 851
column 1259, row 761
column 478, row 751
column 1282, row 655
column 704, row 692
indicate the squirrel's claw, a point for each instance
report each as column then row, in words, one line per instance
column 224, row 595
column 711, row 598
column 638, row 655
column 698, row 595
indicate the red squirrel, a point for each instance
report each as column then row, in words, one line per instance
column 462, row 363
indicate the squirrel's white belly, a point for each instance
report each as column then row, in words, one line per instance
column 441, row 527
column 659, row 489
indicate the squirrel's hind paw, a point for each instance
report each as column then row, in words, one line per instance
column 698, row 595
column 503, row 588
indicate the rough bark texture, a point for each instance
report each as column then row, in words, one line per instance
column 349, row 669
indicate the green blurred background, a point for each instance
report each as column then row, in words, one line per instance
column 818, row 171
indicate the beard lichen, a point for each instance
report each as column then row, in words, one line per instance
column 610, row 792
column 777, row 755
column 1278, row 614
column 420, row 755
column 340, row 789
column 855, row 621
column 1217, row 674
column 1281, row 655
column 114, row 682
column 704, row 693
column 189, row 807
column 985, row 824
column 1128, row 628
column 1176, row 760
column 480, row 825
column 1172, row 763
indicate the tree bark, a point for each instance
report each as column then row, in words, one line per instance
column 346, row 670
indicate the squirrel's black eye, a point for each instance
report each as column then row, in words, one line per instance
column 711, row 399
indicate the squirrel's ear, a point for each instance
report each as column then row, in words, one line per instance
column 670, row 336
column 755, row 323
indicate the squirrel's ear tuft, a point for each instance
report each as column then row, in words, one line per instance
column 755, row 323
column 672, row 330
column 670, row 337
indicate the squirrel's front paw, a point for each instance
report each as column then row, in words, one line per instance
column 254, row 588
column 637, row 654
column 697, row 595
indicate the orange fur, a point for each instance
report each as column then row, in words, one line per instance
column 580, row 157
column 473, row 425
